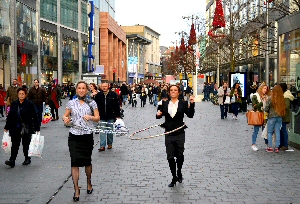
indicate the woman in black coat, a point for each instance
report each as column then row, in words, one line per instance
column 174, row 110
column 22, row 111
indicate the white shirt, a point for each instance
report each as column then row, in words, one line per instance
column 172, row 108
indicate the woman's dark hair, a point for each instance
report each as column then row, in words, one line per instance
column 283, row 86
column 94, row 85
column 22, row 89
column 36, row 80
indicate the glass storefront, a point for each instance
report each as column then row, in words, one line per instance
column 26, row 44
column 69, row 13
column 85, row 56
column 49, row 61
column 49, row 10
column 70, row 55
column 4, row 18
column 289, row 61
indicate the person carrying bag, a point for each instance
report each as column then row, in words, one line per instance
column 22, row 121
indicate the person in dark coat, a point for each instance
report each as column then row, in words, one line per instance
column 53, row 100
column 174, row 110
column 109, row 110
column 124, row 92
column 22, row 112
column 38, row 96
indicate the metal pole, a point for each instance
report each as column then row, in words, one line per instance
column 267, row 51
column 218, row 69
column 3, row 58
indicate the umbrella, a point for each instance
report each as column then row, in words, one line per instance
column 149, row 81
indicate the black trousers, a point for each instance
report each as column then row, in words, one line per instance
column 15, row 141
column 1, row 110
column 52, row 106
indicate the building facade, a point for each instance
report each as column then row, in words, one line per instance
column 150, row 52
column 112, row 49
column 48, row 39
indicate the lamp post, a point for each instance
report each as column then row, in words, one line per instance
column 4, row 57
column 195, row 73
column 267, row 51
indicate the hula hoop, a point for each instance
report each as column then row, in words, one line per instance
column 153, row 136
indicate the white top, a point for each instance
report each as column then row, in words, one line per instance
column 172, row 108
column 77, row 112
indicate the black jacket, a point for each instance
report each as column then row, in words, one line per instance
column 124, row 89
column 28, row 114
column 177, row 121
column 108, row 105
column 37, row 96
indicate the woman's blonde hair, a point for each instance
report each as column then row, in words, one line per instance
column 278, row 101
column 260, row 88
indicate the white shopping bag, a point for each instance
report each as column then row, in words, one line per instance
column 36, row 145
column 6, row 143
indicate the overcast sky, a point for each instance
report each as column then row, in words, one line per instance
column 163, row 16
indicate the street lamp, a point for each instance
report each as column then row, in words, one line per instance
column 4, row 58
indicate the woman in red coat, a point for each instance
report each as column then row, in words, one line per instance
column 2, row 97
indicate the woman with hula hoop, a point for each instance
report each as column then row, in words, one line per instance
column 174, row 110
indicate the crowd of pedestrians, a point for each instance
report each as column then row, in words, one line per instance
column 89, row 103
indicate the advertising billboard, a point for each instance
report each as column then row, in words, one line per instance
column 241, row 78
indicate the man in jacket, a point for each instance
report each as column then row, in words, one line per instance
column 124, row 92
column 37, row 95
column 11, row 94
column 109, row 110
column 155, row 94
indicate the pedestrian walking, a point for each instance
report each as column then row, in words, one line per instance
column 11, row 93
column 109, row 110
column 22, row 115
column 276, row 109
column 38, row 96
column 143, row 97
column 93, row 90
column 206, row 91
column 134, row 100
column 223, row 93
column 164, row 93
column 174, row 110
column 80, row 140
column 155, row 94
column 259, row 100
column 288, row 98
column 236, row 99
column 124, row 92
column 53, row 100
column 2, row 97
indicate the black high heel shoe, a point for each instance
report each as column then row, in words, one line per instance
column 180, row 180
column 173, row 182
column 75, row 199
column 89, row 191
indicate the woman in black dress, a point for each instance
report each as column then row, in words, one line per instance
column 174, row 110
column 84, row 113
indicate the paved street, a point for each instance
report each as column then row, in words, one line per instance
column 219, row 166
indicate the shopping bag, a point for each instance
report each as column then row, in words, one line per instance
column 36, row 145
column 255, row 118
column 227, row 100
column 232, row 100
column 6, row 143
column 47, row 115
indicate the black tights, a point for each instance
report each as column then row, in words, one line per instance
column 16, row 140
column 172, row 165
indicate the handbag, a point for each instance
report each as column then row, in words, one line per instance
column 36, row 145
column 6, row 143
column 232, row 100
column 255, row 118
column 25, row 130
column 227, row 100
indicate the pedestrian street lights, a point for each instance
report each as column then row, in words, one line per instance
column 195, row 76
column 4, row 58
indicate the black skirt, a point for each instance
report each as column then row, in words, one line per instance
column 81, row 148
column 175, row 145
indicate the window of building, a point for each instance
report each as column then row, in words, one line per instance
column 69, row 13
column 4, row 19
column 49, row 10
column 84, row 19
